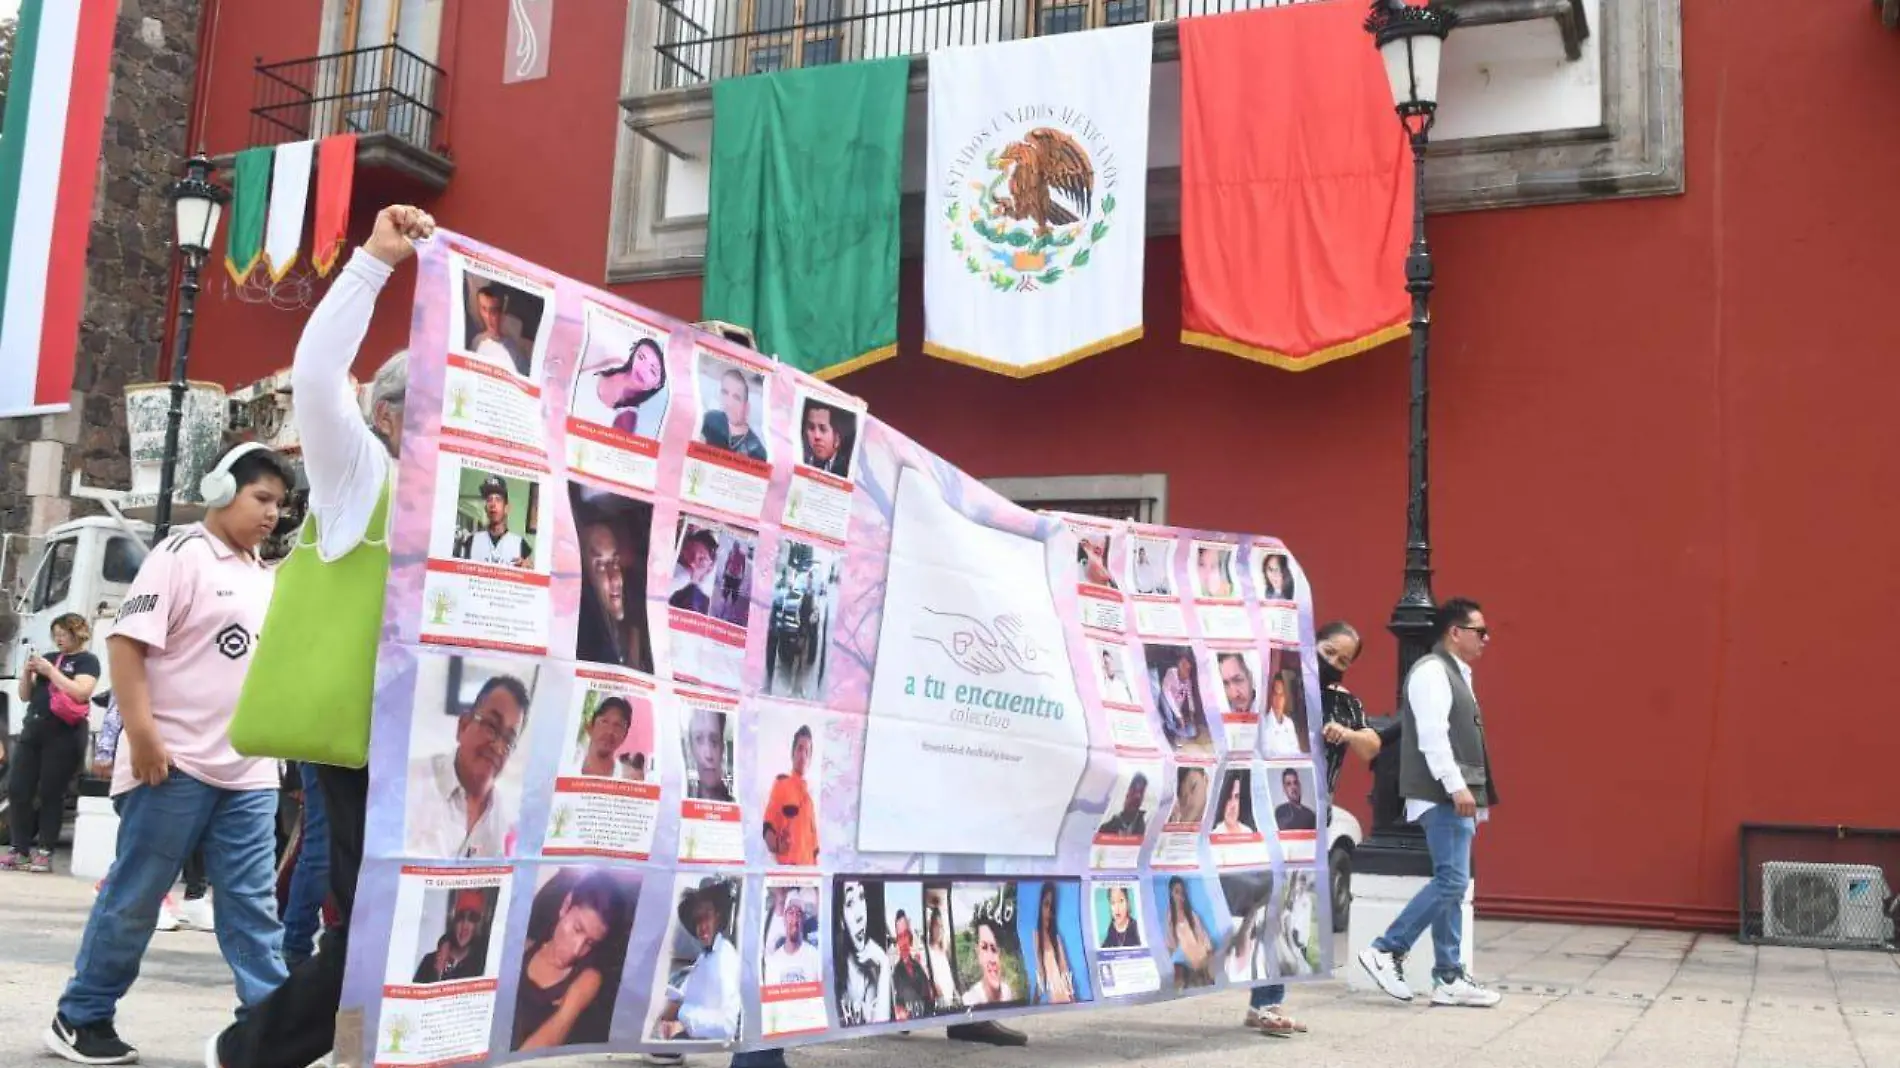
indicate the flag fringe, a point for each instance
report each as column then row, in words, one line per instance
column 856, row 363
column 1295, row 363
column 1018, row 370
column 277, row 275
column 325, row 261
column 240, row 275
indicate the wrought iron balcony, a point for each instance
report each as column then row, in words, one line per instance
column 386, row 95
column 702, row 41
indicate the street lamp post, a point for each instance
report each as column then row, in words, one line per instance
column 197, row 203
column 1410, row 38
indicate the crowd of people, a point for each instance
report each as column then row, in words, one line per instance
column 187, row 634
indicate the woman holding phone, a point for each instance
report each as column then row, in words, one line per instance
column 52, row 742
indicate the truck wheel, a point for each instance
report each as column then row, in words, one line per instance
column 1340, row 865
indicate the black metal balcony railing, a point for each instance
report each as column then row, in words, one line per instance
column 386, row 89
column 702, row 41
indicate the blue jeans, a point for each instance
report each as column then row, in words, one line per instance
column 159, row 826
column 310, row 879
column 1441, row 904
column 1264, row 996
column 765, row 1058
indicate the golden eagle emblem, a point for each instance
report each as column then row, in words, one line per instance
column 1043, row 164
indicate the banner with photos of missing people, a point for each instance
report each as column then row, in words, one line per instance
column 714, row 713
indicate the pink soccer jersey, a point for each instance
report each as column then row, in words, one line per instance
column 198, row 606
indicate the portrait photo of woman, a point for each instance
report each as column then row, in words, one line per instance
column 1190, row 946
column 572, row 960
column 1055, row 980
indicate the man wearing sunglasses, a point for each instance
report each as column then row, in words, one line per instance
column 1445, row 778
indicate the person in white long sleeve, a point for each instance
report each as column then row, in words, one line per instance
column 351, row 468
column 708, row 1003
column 1445, row 778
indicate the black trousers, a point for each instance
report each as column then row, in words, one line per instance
column 297, row 1023
column 43, row 764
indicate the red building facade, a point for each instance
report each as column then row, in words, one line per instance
column 1662, row 452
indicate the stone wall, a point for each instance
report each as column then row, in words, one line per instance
column 128, row 276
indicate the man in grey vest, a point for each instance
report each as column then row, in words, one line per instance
column 1445, row 778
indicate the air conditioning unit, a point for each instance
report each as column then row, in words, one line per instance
column 1825, row 904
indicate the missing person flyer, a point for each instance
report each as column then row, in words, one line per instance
column 1295, row 805
column 1238, row 667
column 1214, row 577
column 728, row 461
column 487, row 578
column 711, row 831
column 618, row 400
column 1132, row 803
column 1124, row 960
column 607, row 792
column 709, row 603
column 1234, row 837
column 829, row 425
column 1127, row 723
column 791, row 962
column 1179, row 846
column 1273, row 573
column 499, row 324
column 1153, row 591
column 444, row 965
column 1097, row 592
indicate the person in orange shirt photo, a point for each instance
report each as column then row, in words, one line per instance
column 791, row 819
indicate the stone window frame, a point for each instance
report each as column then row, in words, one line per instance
column 1038, row 490
column 1635, row 151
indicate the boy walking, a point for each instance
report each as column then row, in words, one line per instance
column 179, row 650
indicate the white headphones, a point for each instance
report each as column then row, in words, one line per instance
column 218, row 488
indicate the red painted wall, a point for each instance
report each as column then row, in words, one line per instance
column 1663, row 448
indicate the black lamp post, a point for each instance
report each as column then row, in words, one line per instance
column 197, row 203
column 1410, row 38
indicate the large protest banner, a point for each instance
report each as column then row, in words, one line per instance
column 713, row 712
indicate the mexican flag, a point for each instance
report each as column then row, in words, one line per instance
column 49, row 166
column 802, row 227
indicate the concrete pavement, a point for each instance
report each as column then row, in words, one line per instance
column 1576, row 997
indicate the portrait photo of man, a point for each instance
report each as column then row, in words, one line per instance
column 791, row 815
column 827, row 435
column 708, row 744
column 1292, row 813
column 457, row 806
column 703, row 1000
column 791, row 938
column 614, row 533
column 731, row 396
column 500, row 321
column 461, row 952
column 497, row 537
column 693, row 572
column 1131, row 821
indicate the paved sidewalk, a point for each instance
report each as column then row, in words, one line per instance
column 1576, row 997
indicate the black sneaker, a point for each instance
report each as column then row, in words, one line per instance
column 94, row 1043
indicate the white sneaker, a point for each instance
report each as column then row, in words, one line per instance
column 167, row 915
column 195, row 913
column 1387, row 970
column 1464, row 991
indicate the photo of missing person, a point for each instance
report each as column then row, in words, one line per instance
column 613, row 532
column 827, row 436
column 1174, row 676
column 788, row 950
column 573, row 955
column 804, row 596
column 1292, row 789
column 732, row 398
column 456, row 925
column 1276, row 577
column 861, row 965
column 1118, row 916
column 989, row 955
column 708, row 748
column 1235, row 814
column 1188, row 929
column 500, row 321
column 791, row 808
column 1297, row 927
column 913, row 994
column 712, row 570
column 1283, row 730
column 1190, row 797
column 1091, row 559
column 702, row 1000
column 1239, row 672
column 1214, row 571
column 1248, row 952
column 620, row 378
column 613, row 738
column 940, row 949
column 1111, row 671
column 1051, row 935
column 496, row 517
column 464, row 784
column 1151, row 564
column 1131, row 819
